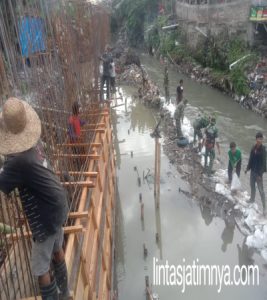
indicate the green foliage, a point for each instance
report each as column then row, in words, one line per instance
column 135, row 22
column 153, row 38
column 133, row 14
column 173, row 44
column 153, row 35
column 215, row 52
column 239, row 81
column 220, row 51
column 161, row 21
column 168, row 43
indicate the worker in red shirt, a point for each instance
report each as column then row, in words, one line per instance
column 74, row 132
column 75, row 123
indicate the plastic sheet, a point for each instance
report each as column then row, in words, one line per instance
column 236, row 184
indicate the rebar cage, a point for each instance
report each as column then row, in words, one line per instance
column 49, row 56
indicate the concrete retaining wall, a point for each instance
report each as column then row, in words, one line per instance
column 232, row 15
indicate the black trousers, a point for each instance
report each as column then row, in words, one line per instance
column 230, row 170
column 104, row 80
column 253, row 180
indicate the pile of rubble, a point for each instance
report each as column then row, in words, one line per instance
column 130, row 71
column 256, row 101
column 130, row 74
column 150, row 93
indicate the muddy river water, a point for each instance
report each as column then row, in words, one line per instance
column 186, row 231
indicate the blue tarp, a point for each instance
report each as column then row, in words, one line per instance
column 31, row 35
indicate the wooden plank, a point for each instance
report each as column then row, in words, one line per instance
column 40, row 298
column 97, row 125
column 33, row 298
column 79, row 145
column 76, row 215
column 96, row 114
column 89, row 184
column 91, row 156
column 67, row 230
column 89, row 174
column 94, row 296
column 101, row 130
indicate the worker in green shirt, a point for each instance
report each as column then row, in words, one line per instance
column 211, row 134
column 235, row 159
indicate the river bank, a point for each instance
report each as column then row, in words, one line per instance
column 256, row 100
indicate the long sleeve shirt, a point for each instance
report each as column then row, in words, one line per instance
column 257, row 160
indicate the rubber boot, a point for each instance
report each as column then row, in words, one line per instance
column 49, row 292
column 61, row 275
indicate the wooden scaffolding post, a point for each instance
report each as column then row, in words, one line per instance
column 157, row 171
column 156, row 167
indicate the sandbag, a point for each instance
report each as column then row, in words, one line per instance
column 236, row 183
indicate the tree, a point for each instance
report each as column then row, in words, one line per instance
column 133, row 15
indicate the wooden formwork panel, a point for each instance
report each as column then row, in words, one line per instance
column 95, row 269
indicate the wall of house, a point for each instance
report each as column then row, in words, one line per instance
column 215, row 16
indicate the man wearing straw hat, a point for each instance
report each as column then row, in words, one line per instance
column 42, row 197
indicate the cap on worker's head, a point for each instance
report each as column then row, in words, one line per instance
column 259, row 135
column 20, row 127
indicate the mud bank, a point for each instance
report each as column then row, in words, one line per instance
column 256, row 100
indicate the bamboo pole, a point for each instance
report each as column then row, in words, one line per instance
column 156, row 167
column 158, row 173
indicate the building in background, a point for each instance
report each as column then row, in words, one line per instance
column 245, row 18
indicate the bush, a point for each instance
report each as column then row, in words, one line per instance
column 133, row 14
column 239, row 81
column 153, row 38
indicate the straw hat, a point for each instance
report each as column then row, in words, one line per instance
column 20, row 127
